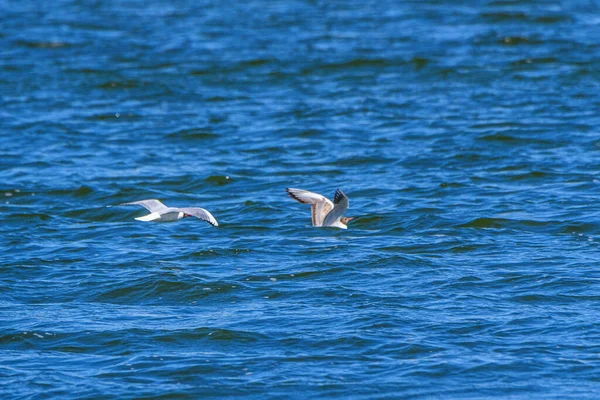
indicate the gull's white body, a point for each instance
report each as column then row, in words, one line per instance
column 161, row 213
column 324, row 212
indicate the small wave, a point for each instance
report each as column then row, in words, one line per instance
column 368, row 220
column 445, row 185
column 531, row 175
column 537, row 298
column 219, row 180
column 505, row 16
column 553, row 19
column 82, row 191
column 42, row 44
column 28, row 216
column 310, row 133
column 514, row 40
column 498, row 223
column 485, row 223
column 219, row 252
column 162, row 288
column 534, row 61
column 363, row 160
column 113, row 117
column 219, row 334
column 199, row 134
column 576, row 228
column 129, row 84
column 420, row 62
column 511, row 139
column 362, row 63
column 466, row 248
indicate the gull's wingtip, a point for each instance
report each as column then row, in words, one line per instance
column 339, row 195
column 212, row 220
column 293, row 193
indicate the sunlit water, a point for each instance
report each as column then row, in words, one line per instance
column 466, row 136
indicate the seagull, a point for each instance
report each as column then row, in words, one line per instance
column 324, row 212
column 161, row 213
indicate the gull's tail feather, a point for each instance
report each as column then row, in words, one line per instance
column 150, row 217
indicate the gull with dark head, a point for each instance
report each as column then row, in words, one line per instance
column 161, row 213
column 324, row 212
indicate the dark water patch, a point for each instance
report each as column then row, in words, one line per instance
column 223, row 99
column 485, row 223
column 83, row 191
column 80, row 192
column 420, row 62
column 218, row 180
column 247, row 66
column 258, row 62
column 502, row 223
column 532, row 175
column 368, row 221
column 514, row 40
column 350, row 65
column 508, row 136
column 553, row 19
column 580, row 227
column 467, row 248
column 121, row 342
column 265, row 150
column 534, row 61
column 115, row 117
column 502, row 16
column 210, row 334
column 43, row 44
column 87, row 214
column 217, row 252
column 201, row 72
column 472, row 327
column 445, row 185
column 23, row 217
column 194, row 134
column 539, row 299
column 315, row 273
column 162, row 288
column 90, row 71
column 362, row 160
column 126, row 84
column 309, row 133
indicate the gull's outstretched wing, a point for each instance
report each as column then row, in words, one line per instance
column 320, row 205
column 341, row 202
column 152, row 205
column 200, row 213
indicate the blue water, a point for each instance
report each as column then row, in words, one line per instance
column 465, row 134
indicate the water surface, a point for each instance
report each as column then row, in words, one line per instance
column 465, row 135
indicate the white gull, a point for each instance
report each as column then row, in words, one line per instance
column 324, row 212
column 161, row 213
